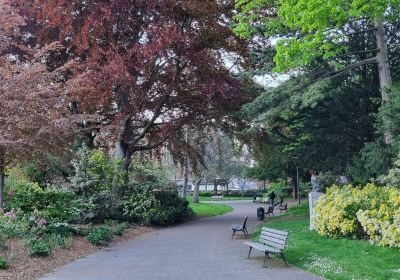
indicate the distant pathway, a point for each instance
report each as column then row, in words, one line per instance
column 197, row 250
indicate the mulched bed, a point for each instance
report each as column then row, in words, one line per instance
column 23, row 267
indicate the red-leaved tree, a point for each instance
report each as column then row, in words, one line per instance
column 148, row 67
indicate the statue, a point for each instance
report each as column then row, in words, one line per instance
column 315, row 185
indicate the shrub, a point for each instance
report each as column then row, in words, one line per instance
column 382, row 224
column 280, row 188
column 371, row 212
column 336, row 211
column 138, row 205
column 99, row 236
column 105, row 206
column 172, row 209
column 39, row 246
column 55, row 204
column 3, row 263
column 116, row 227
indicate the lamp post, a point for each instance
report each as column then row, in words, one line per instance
column 295, row 159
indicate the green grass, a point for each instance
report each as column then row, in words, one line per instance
column 203, row 210
column 333, row 258
column 208, row 198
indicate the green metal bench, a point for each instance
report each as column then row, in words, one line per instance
column 271, row 241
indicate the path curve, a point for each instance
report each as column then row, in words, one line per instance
column 198, row 250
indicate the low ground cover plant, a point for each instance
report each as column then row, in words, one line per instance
column 100, row 236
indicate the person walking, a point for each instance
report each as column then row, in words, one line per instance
column 271, row 197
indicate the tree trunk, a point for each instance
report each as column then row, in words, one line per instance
column 196, row 190
column 185, row 176
column 294, row 181
column 215, row 187
column 119, row 154
column 2, row 177
column 385, row 78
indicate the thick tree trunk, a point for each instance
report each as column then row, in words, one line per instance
column 385, row 78
column 2, row 177
column 196, row 190
column 119, row 154
column 185, row 176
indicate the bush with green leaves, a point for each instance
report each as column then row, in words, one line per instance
column 3, row 263
column 39, row 246
column 99, row 236
column 117, row 228
column 171, row 209
column 281, row 190
column 138, row 205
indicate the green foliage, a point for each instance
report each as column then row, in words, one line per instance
column 116, row 227
column 147, row 175
column 55, row 204
column 138, row 205
column 47, row 169
column 105, row 206
column 39, row 246
column 280, row 188
column 94, row 172
column 326, row 179
column 313, row 21
column 3, row 263
column 371, row 212
column 162, row 207
column 392, row 178
column 373, row 160
column 99, row 236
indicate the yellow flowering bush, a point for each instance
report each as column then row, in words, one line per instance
column 382, row 225
column 370, row 212
column 336, row 211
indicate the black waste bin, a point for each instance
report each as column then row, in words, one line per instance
column 260, row 213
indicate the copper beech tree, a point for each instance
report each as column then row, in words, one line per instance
column 148, row 67
column 34, row 113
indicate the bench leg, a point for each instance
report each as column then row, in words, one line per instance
column 265, row 259
column 284, row 259
column 233, row 233
column 245, row 232
column 248, row 256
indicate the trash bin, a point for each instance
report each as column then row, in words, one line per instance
column 260, row 213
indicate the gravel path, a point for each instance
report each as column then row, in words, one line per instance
column 200, row 249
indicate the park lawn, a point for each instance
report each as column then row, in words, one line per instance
column 203, row 210
column 333, row 258
column 208, row 198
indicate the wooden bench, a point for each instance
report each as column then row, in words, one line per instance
column 242, row 227
column 257, row 199
column 271, row 241
column 217, row 197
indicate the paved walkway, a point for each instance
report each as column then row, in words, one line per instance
column 200, row 249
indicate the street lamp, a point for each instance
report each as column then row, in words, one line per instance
column 295, row 159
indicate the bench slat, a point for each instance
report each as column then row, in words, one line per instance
column 262, row 247
column 274, row 235
column 274, row 245
column 280, row 232
column 272, row 239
